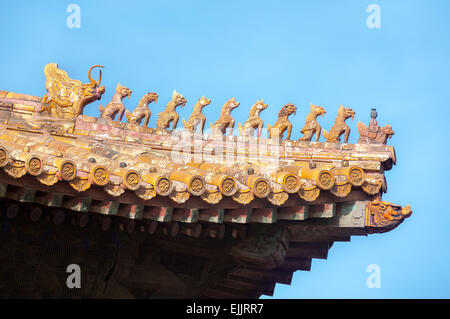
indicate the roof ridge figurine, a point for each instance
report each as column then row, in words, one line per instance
column 374, row 134
column 283, row 124
column 340, row 127
column 170, row 115
column 115, row 106
column 65, row 97
column 311, row 125
column 142, row 111
column 254, row 122
column 225, row 120
column 197, row 118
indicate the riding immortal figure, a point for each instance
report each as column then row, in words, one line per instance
column 374, row 134
column 311, row 125
column 197, row 118
column 170, row 115
column 254, row 121
column 115, row 106
column 142, row 111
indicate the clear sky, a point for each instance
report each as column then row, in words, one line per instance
column 283, row 51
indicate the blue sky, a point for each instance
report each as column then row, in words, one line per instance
column 283, row 51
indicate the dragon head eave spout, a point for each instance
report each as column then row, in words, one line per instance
column 383, row 216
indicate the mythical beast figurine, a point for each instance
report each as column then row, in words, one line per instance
column 374, row 134
column 339, row 126
column 225, row 120
column 170, row 114
column 142, row 111
column 66, row 98
column 311, row 125
column 115, row 106
column 254, row 121
column 283, row 124
column 197, row 118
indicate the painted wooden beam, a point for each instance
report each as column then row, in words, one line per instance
column 21, row 194
column 327, row 210
column 131, row 211
column 159, row 214
column 105, row 207
column 264, row 215
column 293, row 213
column 351, row 214
column 185, row 215
column 49, row 199
column 78, row 204
column 238, row 215
column 211, row 215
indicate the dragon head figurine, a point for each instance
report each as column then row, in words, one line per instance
column 66, row 98
column 383, row 216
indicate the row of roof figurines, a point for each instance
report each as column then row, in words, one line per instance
column 66, row 99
